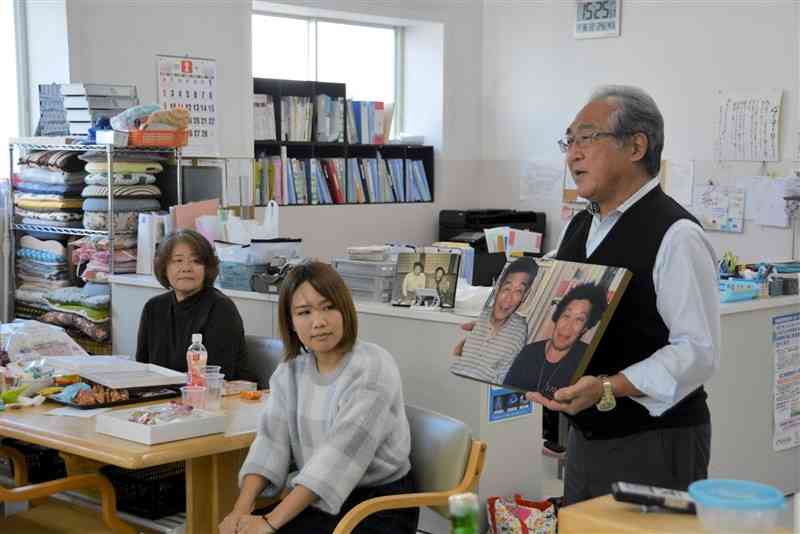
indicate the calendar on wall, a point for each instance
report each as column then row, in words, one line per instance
column 191, row 83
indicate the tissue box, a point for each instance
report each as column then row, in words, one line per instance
column 111, row 137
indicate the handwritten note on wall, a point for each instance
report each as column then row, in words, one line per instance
column 749, row 125
column 719, row 208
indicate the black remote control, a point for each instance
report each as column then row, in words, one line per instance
column 670, row 499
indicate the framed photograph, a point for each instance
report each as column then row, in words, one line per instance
column 541, row 324
column 426, row 280
column 597, row 18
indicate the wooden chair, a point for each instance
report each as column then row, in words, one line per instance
column 445, row 460
column 55, row 517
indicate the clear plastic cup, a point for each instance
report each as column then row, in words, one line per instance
column 215, row 382
column 194, row 396
column 210, row 369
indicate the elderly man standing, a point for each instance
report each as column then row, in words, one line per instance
column 639, row 413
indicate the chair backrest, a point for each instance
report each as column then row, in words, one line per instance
column 440, row 447
column 263, row 356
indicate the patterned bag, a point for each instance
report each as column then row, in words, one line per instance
column 519, row 516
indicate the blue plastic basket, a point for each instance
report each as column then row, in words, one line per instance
column 735, row 289
column 233, row 275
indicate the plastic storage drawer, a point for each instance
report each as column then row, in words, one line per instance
column 384, row 295
column 367, row 283
column 364, row 268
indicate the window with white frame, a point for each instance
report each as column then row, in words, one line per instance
column 9, row 99
column 364, row 57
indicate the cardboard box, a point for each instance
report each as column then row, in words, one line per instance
column 201, row 423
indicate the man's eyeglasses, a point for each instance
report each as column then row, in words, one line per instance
column 582, row 141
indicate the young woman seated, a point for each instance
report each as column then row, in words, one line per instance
column 187, row 265
column 335, row 412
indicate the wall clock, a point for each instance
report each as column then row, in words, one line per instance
column 597, row 18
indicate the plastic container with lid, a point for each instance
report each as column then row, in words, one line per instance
column 736, row 505
column 364, row 268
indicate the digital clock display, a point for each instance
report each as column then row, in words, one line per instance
column 596, row 18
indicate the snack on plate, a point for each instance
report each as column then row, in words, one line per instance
column 52, row 390
column 65, row 380
column 161, row 414
column 100, row 395
column 250, row 395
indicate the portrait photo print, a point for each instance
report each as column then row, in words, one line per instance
column 426, row 279
column 541, row 324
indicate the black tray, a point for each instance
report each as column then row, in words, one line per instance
column 139, row 398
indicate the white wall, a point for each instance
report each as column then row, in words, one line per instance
column 47, row 46
column 536, row 77
column 117, row 42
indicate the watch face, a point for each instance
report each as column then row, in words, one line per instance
column 596, row 18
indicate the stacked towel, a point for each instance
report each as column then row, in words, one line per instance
column 47, row 191
column 41, row 267
column 81, row 310
column 93, row 257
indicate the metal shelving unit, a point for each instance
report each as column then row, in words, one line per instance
column 27, row 145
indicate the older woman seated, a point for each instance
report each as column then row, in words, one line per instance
column 187, row 265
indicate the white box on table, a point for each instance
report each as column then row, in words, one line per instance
column 116, row 424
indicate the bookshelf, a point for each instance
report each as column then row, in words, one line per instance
column 280, row 90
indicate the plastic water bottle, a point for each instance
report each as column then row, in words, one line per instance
column 196, row 358
column 463, row 513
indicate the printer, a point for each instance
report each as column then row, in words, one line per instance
column 466, row 226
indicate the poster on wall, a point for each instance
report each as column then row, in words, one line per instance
column 191, row 83
column 749, row 125
column 786, row 392
column 506, row 404
column 720, row 208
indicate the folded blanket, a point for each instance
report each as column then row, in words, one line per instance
column 25, row 311
column 35, row 281
column 121, row 179
column 50, row 215
column 125, row 167
column 31, row 295
column 96, row 316
column 44, row 175
column 124, row 221
column 42, row 222
column 95, row 331
column 99, row 242
column 30, row 201
column 122, row 191
column 63, row 160
column 47, row 245
column 102, row 257
column 41, row 256
column 96, row 156
column 64, row 190
column 75, row 296
column 123, row 204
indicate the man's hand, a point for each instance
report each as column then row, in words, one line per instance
column 459, row 348
column 573, row 399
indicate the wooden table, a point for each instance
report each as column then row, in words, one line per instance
column 212, row 462
column 604, row 514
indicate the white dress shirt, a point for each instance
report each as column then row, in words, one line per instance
column 686, row 281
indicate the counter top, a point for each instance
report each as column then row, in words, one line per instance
column 375, row 308
column 444, row 316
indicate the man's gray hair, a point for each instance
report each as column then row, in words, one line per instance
column 636, row 112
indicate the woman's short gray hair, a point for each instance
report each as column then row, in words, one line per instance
column 636, row 112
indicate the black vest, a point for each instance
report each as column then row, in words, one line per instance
column 636, row 330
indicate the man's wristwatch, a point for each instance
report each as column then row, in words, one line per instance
column 607, row 402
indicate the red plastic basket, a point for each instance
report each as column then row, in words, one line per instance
column 158, row 138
